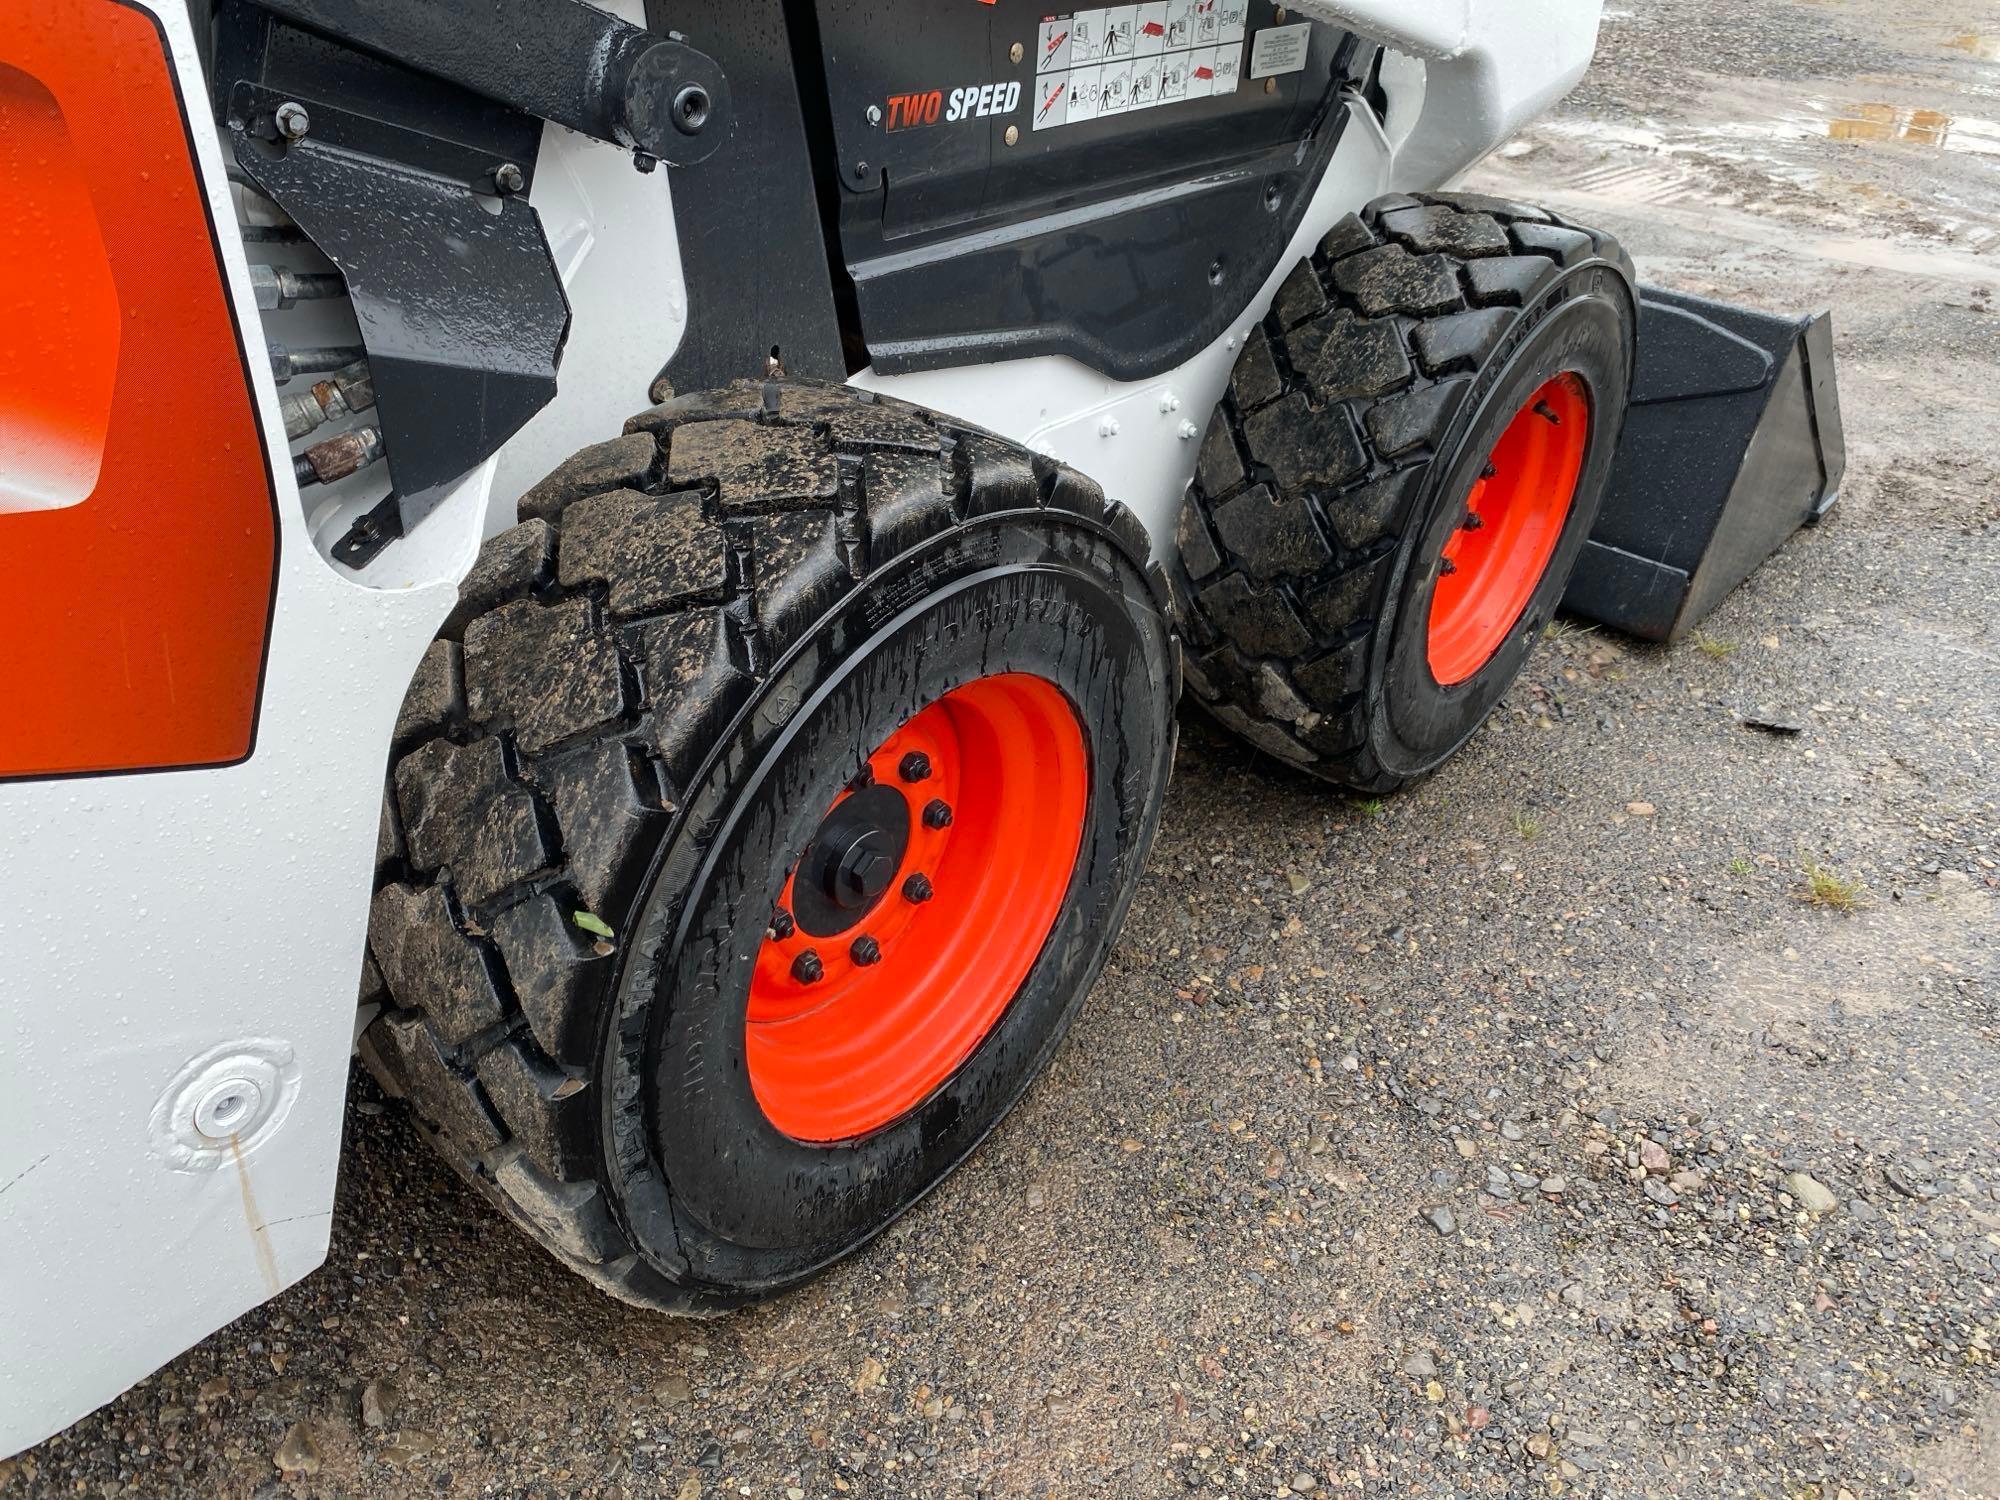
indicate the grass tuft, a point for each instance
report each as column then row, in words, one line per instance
column 1830, row 890
column 1718, row 650
column 1527, row 826
column 1564, row 630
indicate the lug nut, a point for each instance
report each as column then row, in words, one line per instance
column 916, row 766
column 1488, row 472
column 917, row 888
column 864, row 950
column 937, row 813
column 807, row 968
column 1446, row 567
column 782, row 925
column 1472, row 521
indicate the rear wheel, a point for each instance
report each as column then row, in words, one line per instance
column 1392, row 496
column 758, row 827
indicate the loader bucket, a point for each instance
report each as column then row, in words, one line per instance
column 1733, row 441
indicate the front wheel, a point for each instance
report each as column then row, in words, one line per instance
column 1391, row 498
column 760, row 826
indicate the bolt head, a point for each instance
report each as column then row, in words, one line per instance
column 1108, row 427
column 863, row 874
column 916, row 766
column 917, row 889
column 807, row 968
column 1013, row 135
column 864, row 950
column 509, row 178
column 1016, row 52
column 1189, row 431
column 937, row 813
column 292, row 120
column 874, row 114
column 782, row 925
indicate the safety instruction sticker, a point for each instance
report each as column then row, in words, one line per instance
column 1097, row 63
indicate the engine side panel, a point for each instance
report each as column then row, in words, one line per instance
column 1112, row 184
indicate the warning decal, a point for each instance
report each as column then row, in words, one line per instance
column 1125, row 57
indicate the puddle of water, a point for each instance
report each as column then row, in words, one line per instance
column 1829, row 119
column 1917, row 127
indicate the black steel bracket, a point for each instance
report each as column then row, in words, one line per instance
column 748, row 220
column 458, row 299
column 558, row 60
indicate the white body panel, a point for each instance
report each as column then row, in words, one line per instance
column 1491, row 66
column 149, row 923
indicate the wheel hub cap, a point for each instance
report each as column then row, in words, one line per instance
column 852, row 861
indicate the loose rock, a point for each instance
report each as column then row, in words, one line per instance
column 379, row 1399
column 1813, row 1195
column 298, row 1453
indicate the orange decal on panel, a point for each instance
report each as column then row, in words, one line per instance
column 138, row 530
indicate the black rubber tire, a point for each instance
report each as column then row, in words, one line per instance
column 1337, row 466
column 651, row 690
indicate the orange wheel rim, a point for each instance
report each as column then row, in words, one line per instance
column 921, row 930
column 1513, row 520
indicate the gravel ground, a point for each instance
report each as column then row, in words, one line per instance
column 1535, row 1132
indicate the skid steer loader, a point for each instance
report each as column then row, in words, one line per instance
column 666, row 538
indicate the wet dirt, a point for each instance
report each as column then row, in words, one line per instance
column 1448, row 1145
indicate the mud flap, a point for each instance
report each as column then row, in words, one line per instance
column 1733, row 442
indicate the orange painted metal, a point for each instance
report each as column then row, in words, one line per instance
column 863, row 1045
column 138, row 526
column 1514, row 518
